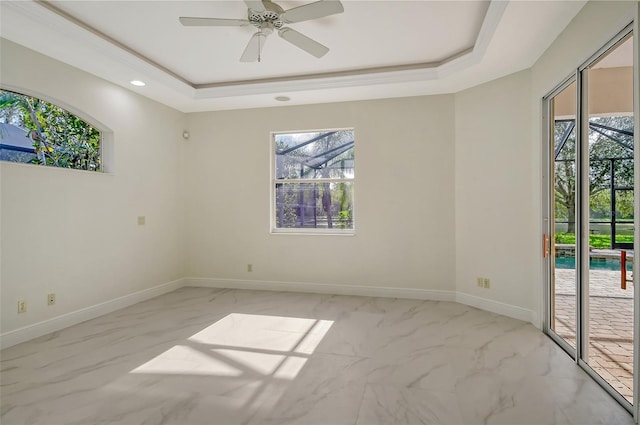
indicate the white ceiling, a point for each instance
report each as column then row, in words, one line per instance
column 378, row 48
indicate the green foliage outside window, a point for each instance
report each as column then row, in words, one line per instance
column 595, row 241
column 59, row 138
column 602, row 150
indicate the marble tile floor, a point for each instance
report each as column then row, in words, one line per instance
column 212, row 356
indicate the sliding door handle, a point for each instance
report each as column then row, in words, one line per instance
column 545, row 245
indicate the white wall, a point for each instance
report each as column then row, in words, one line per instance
column 495, row 219
column 499, row 164
column 75, row 233
column 404, row 196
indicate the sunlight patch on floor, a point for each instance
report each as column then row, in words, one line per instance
column 244, row 345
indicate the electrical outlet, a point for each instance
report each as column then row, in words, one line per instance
column 51, row 299
column 249, row 267
column 486, row 282
column 22, row 306
column 480, row 282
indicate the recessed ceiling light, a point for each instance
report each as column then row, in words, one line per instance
column 283, row 98
column 138, row 83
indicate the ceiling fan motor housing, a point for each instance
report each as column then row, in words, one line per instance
column 270, row 16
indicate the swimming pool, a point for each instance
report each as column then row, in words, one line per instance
column 594, row 263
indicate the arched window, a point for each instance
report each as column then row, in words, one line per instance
column 35, row 131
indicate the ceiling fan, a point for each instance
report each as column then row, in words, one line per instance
column 267, row 17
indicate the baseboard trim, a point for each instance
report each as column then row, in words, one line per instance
column 36, row 330
column 323, row 288
column 369, row 291
column 497, row 307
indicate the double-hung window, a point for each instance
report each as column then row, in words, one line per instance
column 313, row 182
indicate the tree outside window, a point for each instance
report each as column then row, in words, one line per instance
column 38, row 132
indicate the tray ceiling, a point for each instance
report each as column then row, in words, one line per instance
column 377, row 48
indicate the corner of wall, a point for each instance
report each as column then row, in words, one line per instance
column 495, row 223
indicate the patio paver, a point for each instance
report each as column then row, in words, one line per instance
column 610, row 324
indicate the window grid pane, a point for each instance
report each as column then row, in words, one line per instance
column 314, row 205
column 315, row 155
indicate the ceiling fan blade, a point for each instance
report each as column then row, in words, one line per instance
column 303, row 42
column 318, row 9
column 255, row 5
column 213, row 22
column 254, row 48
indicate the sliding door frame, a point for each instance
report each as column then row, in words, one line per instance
column 636, row 206
column 549, row 184
column 582, row 208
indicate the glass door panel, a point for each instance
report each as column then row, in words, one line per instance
column 607, row 313
column 563, row 291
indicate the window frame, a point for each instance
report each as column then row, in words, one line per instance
column 274, row 230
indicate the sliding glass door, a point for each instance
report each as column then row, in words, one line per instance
column 589, row 247
column 607, row 97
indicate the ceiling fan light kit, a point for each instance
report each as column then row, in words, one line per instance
column 267, row 17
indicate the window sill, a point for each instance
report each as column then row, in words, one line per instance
column 314, row 232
